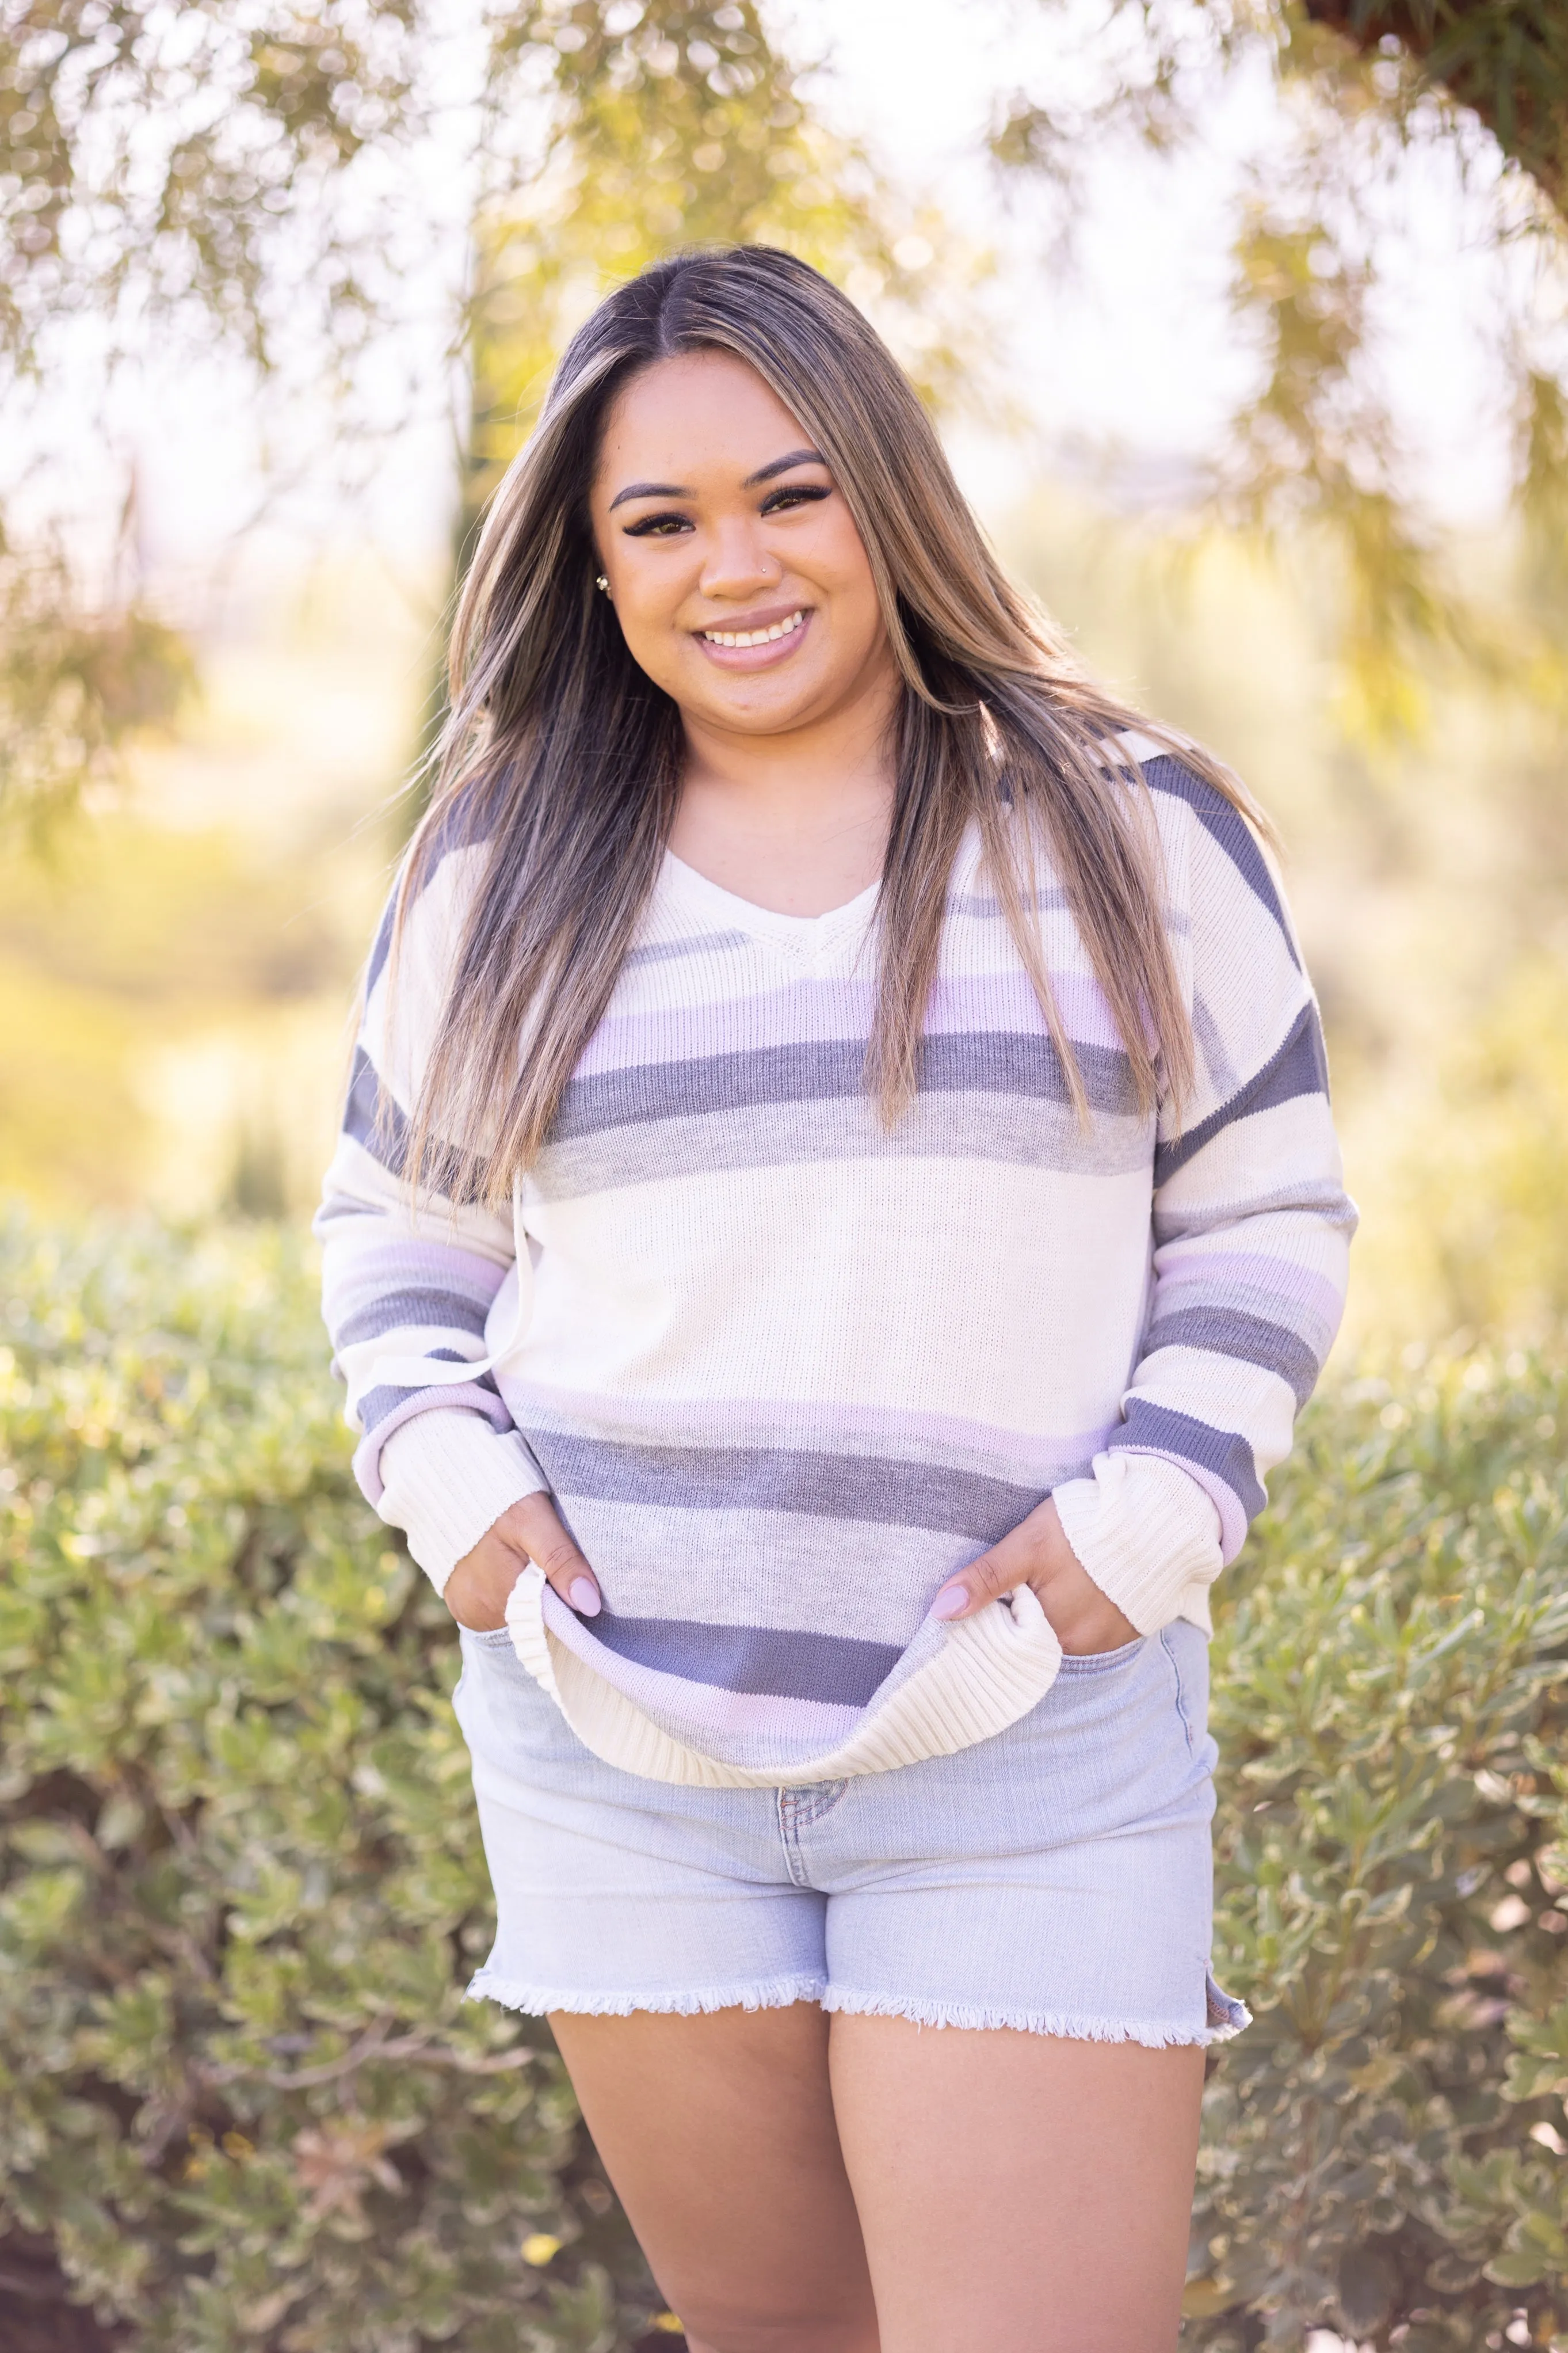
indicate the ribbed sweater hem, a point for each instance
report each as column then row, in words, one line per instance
column 991, row 1670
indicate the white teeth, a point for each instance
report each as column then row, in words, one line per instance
column 755, row 637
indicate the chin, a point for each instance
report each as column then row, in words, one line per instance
column 765, row 718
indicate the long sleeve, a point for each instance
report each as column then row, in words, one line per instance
column 416, row 1278
column 1251, row 1229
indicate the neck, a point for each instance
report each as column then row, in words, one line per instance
column 796, row 821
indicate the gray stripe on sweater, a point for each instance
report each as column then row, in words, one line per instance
column 1310, row 1196
column 1160, row 1430
column 1240, row 1338
column 1226, row 826
column 374, row 1119
column 774, row 1479
column 1229, row 1331
column 1299, row 1066
column 1191, row 1291
column 673, row 951
column 981, row 1062
column 821, row 1577
column 767, row 1661
column 395, row 1309
column 985, row 907
column 377, row 1404
column 978, row 1127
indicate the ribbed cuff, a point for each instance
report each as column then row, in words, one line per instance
column 447, row 1476
column 1145, row 1532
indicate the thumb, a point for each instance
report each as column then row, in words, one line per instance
column 995, row 1572
column 534, row 1526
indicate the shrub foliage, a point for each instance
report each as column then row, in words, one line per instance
column 242, row 2102
column 1384, row 2149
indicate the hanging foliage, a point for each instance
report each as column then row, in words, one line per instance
column 1368, row 96
column 243, row 176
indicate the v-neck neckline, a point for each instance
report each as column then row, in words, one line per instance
column 807, row 934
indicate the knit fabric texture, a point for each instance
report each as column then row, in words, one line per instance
column 783, row 1371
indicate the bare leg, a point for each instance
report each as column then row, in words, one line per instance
column 1018, row 2192
column 718, row 2133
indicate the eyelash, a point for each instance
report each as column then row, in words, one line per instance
column 667, row 526
column 805, row 494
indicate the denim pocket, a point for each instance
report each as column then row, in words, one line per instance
column 1191, row 1692
column 490, row 1637
column 1100, row 1662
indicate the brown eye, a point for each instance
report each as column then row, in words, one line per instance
column 799, row 494
column 656, row 526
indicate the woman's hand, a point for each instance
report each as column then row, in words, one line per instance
column 476, row 1592
column 1037, row 1554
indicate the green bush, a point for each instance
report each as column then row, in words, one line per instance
column 242, row 2104
column 1384, row 2150
column 242, row 2101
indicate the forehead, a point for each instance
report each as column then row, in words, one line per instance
column 702, row 416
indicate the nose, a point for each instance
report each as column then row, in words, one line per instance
column 739, row 563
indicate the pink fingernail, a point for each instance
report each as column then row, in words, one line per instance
column 583, row 1595
column 949, row 1602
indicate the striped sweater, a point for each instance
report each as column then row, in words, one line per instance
column 783, row 1371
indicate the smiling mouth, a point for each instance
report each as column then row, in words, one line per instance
column 767, row 637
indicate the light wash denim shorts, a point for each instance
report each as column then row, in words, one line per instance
column 1056, row 1878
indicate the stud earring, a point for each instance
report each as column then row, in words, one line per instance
column 600, row 581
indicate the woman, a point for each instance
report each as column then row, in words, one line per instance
column 836, row 1211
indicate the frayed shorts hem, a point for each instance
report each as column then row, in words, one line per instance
column 1061, row 2025
column 1225, row 2016
column 535, row 2001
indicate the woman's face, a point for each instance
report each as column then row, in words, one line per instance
column 714, row 520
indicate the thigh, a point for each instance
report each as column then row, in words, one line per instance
column 718, row 2132
column 1015, row 2191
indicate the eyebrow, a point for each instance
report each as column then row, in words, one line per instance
column 679, row 489
column 650, row 490
column 783, row 465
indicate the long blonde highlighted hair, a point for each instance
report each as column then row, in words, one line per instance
column 564, row 758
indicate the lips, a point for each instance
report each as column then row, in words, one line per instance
column 758, row 634
column 756, row 640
